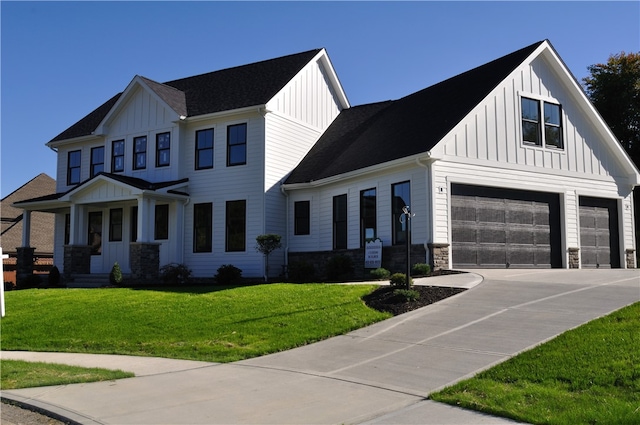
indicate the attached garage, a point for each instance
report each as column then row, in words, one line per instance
column 599, row 241
column 501, row 228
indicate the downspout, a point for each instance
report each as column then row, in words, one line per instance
column 286, row 231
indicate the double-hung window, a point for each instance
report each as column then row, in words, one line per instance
column 302, row 218
column 236, row 225
column 204, row 149
column 400, row 197
column 74, row 160
column 368, row 218
column 340, row 222
column 541, row 123
column 115, row 225
column 117, row 156
column 202, row 227
column 162, row 222
column 163, row 149
column 237, row 144
column 140, row 153
column 97, row 160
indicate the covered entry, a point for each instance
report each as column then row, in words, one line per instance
column 599, row 242
column 498, row 228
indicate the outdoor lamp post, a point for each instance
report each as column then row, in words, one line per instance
column 406, row 215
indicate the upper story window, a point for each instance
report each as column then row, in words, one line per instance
column 237, row 144
column 140, row 153
column 302, row 220
column 163, row 149
column 541, row 123
column 368, row 219
column 204, row 149
column 97, row 160
column 400, row 197
column 117, row 156
column 74, row 160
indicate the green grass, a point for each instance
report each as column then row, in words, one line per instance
column 218, row 325
column 589, row 375
column 19, row 374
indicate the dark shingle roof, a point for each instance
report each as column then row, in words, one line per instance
column 243, row 86
column 373, row 134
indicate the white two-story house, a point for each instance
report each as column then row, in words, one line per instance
column 506, row 165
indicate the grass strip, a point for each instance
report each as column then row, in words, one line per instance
column 588, row 375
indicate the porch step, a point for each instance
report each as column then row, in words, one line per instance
column 88, row 280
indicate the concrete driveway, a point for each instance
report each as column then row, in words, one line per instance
column 380, row 374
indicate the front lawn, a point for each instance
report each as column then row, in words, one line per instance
column 197, row 323
column 589, row 375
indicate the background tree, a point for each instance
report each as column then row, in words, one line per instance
column 266, row 244
column 614, row 89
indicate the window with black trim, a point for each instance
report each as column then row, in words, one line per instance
column 162, row 222
column 541, row 123
column 94, row 236
column 400, row 197
column 368, row 217
column 204, row 149
column 115, row 225
column 140, row 153
column 236, row 224
column 97, row 160
column 117, row 156
column 134, row 224
column 163, row 149
column 236, row 144
column 74, row 161
column 202, row 227
column 302, row 218
column 340, row 222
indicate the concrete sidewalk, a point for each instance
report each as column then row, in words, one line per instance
column 380, row 374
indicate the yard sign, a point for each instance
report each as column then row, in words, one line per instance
column 373, row 254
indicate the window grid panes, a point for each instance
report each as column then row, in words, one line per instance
column 237, row 144
column 202, row 227
column 401, row 197
column 74, row 159
column 531, row 121
column 163, row 149
column 204, row 149
column 117, row 156
column 552, row 125
column 236, row 212
column 302, row 220
column 97, row 160
column 541, row 123
column 140, row 153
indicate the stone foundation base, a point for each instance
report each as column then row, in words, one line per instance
column 144, row 259
column 574, row 258
column 77, row 260
column 24, row 263
column 630, row 256
column 439, row 253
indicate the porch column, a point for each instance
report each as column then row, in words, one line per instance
column 77, row 255
column 26, row 228
column 145, row 219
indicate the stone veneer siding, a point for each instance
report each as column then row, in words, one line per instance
column 574, row 258
column 24, row 262
column 630, row 255
column 77, row 260
column 439, row 256
column 144, row 261
column 394, row 259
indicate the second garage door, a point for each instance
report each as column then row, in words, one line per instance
column 497, row 228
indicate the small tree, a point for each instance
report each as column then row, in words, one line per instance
column 115, row 277
column 266, row 244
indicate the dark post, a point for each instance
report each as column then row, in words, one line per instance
column 407, row 214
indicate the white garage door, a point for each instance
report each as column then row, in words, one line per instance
column 498, row 228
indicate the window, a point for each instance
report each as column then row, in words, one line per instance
column 367, row 215
column 236, row 225
column 400, row 197
column 95, row 232
column 140, row 153
column 204, row 149
column 302, row 218
column 532, row 124
column 67, row 228
column 97, row 160
column 115, row 225
column 134, row 224
column 340, row 222
column 202, row 227
column 163, row 149
column 74, row 159
column 117, row 156
column 237, row 144
column 162, row 222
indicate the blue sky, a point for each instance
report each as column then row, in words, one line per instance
column 61, row 60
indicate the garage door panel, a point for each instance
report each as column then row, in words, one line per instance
column 599, row 232
column 511, row 228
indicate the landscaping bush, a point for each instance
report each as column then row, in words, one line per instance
column 339, row 268
column 408, row 295
column 301, row 272
column 9, row 286
column 53, row 279
column 174, row 273
column 228, row 274
column 30, row 282
column 420, row 269
column 398, row 280
column 380, row 274
column 115, row 277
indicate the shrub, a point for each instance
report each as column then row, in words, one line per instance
column 339, row 268
column 174, row 273
column 115, row 277
column 53, row 280
column 420, row 269
column 398, row 280
column 228, row 274
column 380, row 274
column 9, row 286
column 407, row 295
column 29, row 282
column 301, row 272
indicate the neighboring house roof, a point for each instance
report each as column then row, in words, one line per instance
column 368, row 135
column 42, row 224
column 228, row 89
